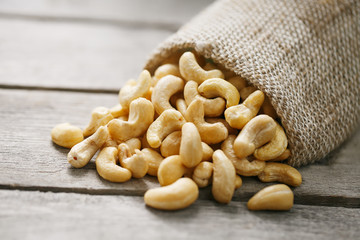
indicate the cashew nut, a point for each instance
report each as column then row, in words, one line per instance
column 275, row 147
column 81, row 153
column 216, row 87
column 237, row 116
column 223, row 185
column 100, row 116
column 258, row 131
column 238, row 82
column 178, row 195
column 207, row 152
column 153, row 159
column 202, row 174
column 119, row 111
column 213, row 107
column 191, row 70
column 107, row 168
column 166, row 69
column 66, row 135
column 223, row 121
column 170, row 170
column 210, row 133
column 140, row 117
column 245, row 92
column 136, row 163
column 171, row 144
column 281, row 173
column 275, row 197
column 164, row 89
column 285, row 155
column 169, row 121
column 238, row 182
column 190, row 147
column 242, row 166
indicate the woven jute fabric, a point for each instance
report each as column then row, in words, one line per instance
column 304, row 55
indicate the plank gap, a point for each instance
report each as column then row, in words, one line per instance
column 58, row 89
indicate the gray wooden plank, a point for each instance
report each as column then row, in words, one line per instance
column 166, row 13
column 29, row 160
column 73, row 55
column 39, row 215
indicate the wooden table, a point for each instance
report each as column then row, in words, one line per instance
column 59, row 60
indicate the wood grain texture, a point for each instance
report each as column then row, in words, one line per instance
column 29, row 160
column 36, row 215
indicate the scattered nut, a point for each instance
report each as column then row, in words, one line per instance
column 281, row 173
column 66, row 135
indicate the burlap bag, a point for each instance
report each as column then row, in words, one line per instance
column 305, row 55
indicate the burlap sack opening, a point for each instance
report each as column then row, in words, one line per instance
column 304, row 55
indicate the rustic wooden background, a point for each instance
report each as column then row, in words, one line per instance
column 58, row 60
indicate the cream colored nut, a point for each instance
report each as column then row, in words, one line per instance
column 153, row 159
column 238, row 182
column 81, row 153
column 258, row 131
column 178, row 195
column 238, row 82
column 223, row 121
column 169, row 121
column 166, row 69
column 140, row 117
column 135, row 163
column 275, row 147
column 100, row 116
column 223, row 185
column 213, row 107
column 164, row 89
column 242, row 166
column 170, row 170
column 207, row 152
column 275, row 197
column 171, row 144
column 191, row 70
column 130, row 92
column 190, row 147
column 107, row 168
column 210, row 133
column 133, row 143
column 217, row 87
column 281, row 173
column 245, row 92
column 202, row 174
column 237, row 116
column 119, row 111
column 268, row 109
column 66, row 135
column 285, row 155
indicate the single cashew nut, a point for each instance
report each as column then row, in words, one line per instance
column 164, row 89
column 81, row 153
column 66, row 135
column 216, row 87
column 258, row 131
column 237, row 116
column 202, row 174
column 136, row 163
column 275, row 197
column 100, row 116
column 107, row 168
column 153, row 159
column 140, row 117
column 213, row 107
column 281, row 173
column 171, row 144
column 245, row 92
column 223, row 185
column 178, row 195
column 242, row 166
column 238, row 182
column 238, row 82
column 190, row 147
column 191, row 70
column 210, row 133
column 170, row 170
column 130, row 92
column 119, row 111
column 166, row 69
column 275, row 147
column 169, row 121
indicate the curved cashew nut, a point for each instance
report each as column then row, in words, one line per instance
column 281, row 173
column 178, row 195
column 242, row 166
column 210, row 133
column 107, row 168
column 171, row 144
column 100, row 116
column 202, row 174
column 224, row 176
column 216, row 87
column 153, row 159
column 81, row 153
column 166, row 69
column 213, row 107
column 191, row 70
column 170, row 170
column 164, row 89
column 136, row 163
column 258, row 131
column 169, row 121
column 275, row 147
column 237, row 116
column 140, row 117
column 238, row 82
column 190, row 147
column 130, row 92
column 66, row 135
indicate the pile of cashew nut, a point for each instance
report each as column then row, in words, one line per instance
column 192, row 124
